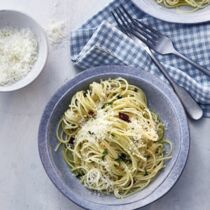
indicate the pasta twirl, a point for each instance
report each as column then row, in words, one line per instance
column 197, row 4
column 111, row 140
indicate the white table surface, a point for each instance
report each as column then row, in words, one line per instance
column 24, row 184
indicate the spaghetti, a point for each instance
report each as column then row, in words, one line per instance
column 111, row 140
column 197, row 4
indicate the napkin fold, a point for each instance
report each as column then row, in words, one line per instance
column 100, row 42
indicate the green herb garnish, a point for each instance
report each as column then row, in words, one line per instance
column 135, row 89
column 107, row 104
column 78, row 175
column 85, row 93
column 91, row 133
column 105, row 152
column 145, row 173
column 123, row 157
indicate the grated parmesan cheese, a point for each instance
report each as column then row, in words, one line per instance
column 95, row 178
column 18, row 53
column 96, row 128
column 135, row 128
column 139, row 129
column 56, row 32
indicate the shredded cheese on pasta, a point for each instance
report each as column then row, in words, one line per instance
column 197, row 4
column 111, row 140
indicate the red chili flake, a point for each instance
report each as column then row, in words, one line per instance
column 124, row 117
column 91, row 113
column 71, row 141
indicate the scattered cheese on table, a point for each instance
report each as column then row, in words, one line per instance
column 18, row 53
column 56, row 32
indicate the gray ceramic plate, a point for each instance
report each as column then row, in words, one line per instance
column 161, row 99
column 182, row 15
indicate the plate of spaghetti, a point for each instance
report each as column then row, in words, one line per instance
column 177, row 11
column 114, row 136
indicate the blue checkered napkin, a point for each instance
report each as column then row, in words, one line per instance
column 99, row 42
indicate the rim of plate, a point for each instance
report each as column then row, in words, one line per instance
column 173, row 175
column 167, row 15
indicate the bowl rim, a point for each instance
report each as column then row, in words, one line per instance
column 12, row 87
column 110, row 70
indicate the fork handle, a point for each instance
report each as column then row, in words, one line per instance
column 201, row 68
column 191, row 107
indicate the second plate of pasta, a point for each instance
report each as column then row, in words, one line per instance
column 178, row 11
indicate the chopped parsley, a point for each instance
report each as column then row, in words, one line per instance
column 123, row 157
column 107, row 104
column 135, row 90
column 112, row 135
column 79, row 174
column 105, row 152
column 91, row 133
column 145, row 173
column 76, row 102
column 72, row 140
column 85, row 93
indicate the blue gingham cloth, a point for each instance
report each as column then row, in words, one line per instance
column 100, row 42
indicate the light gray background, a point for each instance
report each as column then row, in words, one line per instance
column 23, row 182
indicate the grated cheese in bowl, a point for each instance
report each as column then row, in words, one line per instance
column 18, row 54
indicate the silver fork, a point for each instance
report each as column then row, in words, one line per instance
column 191, row 107
column 157, row 41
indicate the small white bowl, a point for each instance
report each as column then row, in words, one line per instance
column 19, row 20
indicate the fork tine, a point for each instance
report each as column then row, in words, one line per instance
column 149, row 28
column 127, row 27
column 152, row 32
column 119, row 24
column 124, row 25
column 124, row 17
column 132, row 25
column 145, row 34
column 125, row 11
column 148, row 42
